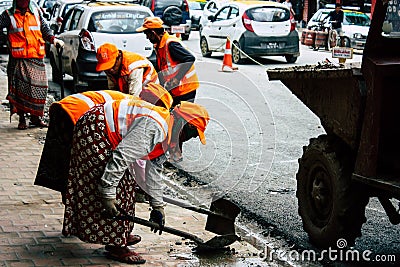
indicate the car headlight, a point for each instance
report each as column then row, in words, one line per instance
column 358, row 36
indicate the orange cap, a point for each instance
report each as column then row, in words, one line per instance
column 153, row 93
column 151, row 23
column 106, row 55
column 196, row 115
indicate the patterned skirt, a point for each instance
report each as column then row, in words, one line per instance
column 27, row 85
column 91, row 151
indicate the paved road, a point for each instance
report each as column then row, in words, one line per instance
column 255, row 140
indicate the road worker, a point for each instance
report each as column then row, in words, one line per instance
column 127, row 72
column 27, row 32
column 175, row 63
column 54, row 163
column 104, row 146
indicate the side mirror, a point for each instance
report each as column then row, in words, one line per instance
column 211, row 18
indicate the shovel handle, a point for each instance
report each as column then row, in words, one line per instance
column 165, row 228
column 192, row 207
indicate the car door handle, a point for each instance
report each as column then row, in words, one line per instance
column 219, row 28
column 234, row 25
column 71, row 41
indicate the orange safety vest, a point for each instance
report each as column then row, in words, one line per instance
column 130, row 62
column 24, row 35
column 77, row 104
column 169, row 68
column 121, row 114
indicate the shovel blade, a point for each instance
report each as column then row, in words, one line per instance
column 224, row 224
column 217, row 242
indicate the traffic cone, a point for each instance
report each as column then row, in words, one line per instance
column 227, row 61
column 178, row 35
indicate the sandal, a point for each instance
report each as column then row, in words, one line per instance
column 129, row 257
column 37, row 122
column 132, row 240
column 22, row 125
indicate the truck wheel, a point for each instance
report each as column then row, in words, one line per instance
column 329, row 205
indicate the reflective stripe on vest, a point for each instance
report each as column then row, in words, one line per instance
column 189, row 81
column 117, row 114
column 77, row 104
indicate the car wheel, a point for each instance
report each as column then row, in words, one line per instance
column 236, row 54
column 56, row 74
column 204, row 47
column 332, row 39
column 172, row 16
column 290, row 58
column 185, row 36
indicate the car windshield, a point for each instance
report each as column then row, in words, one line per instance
column 121, row 21
column 268, row 14
column 357, row 19
column 195, row 6
column 161, row 4
column 67, row 7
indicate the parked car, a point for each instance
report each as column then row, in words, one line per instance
column 257, row 28
column 46, row 6
column 355, row 26
column 87, row 26
column 58, row 11
column 3, row 32
column 210, row 8
column 173, row 13
column 196, row 10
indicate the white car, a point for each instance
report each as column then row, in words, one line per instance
column 355, row 26
column 87, row 26
column 258, row 28
column 210, row 8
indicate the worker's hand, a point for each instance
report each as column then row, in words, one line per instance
column 109, row 208
column 157, row 215
column 58, row 42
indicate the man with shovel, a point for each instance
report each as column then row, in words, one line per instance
column 106, row 140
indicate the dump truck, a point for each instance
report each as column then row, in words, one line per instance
column 358, row 157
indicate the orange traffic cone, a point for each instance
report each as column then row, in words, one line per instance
column 227, row 61
column 178, row 35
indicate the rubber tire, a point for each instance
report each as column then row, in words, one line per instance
column 172, row 15
column 290, row 58
column 347, row 42
column 332, row 40
column 204, row 47
column 56, row 75
column 185, row 36
column 325, row 174
column 236, row 54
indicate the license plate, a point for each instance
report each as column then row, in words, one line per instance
column 177, row 29
column 271, row 45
